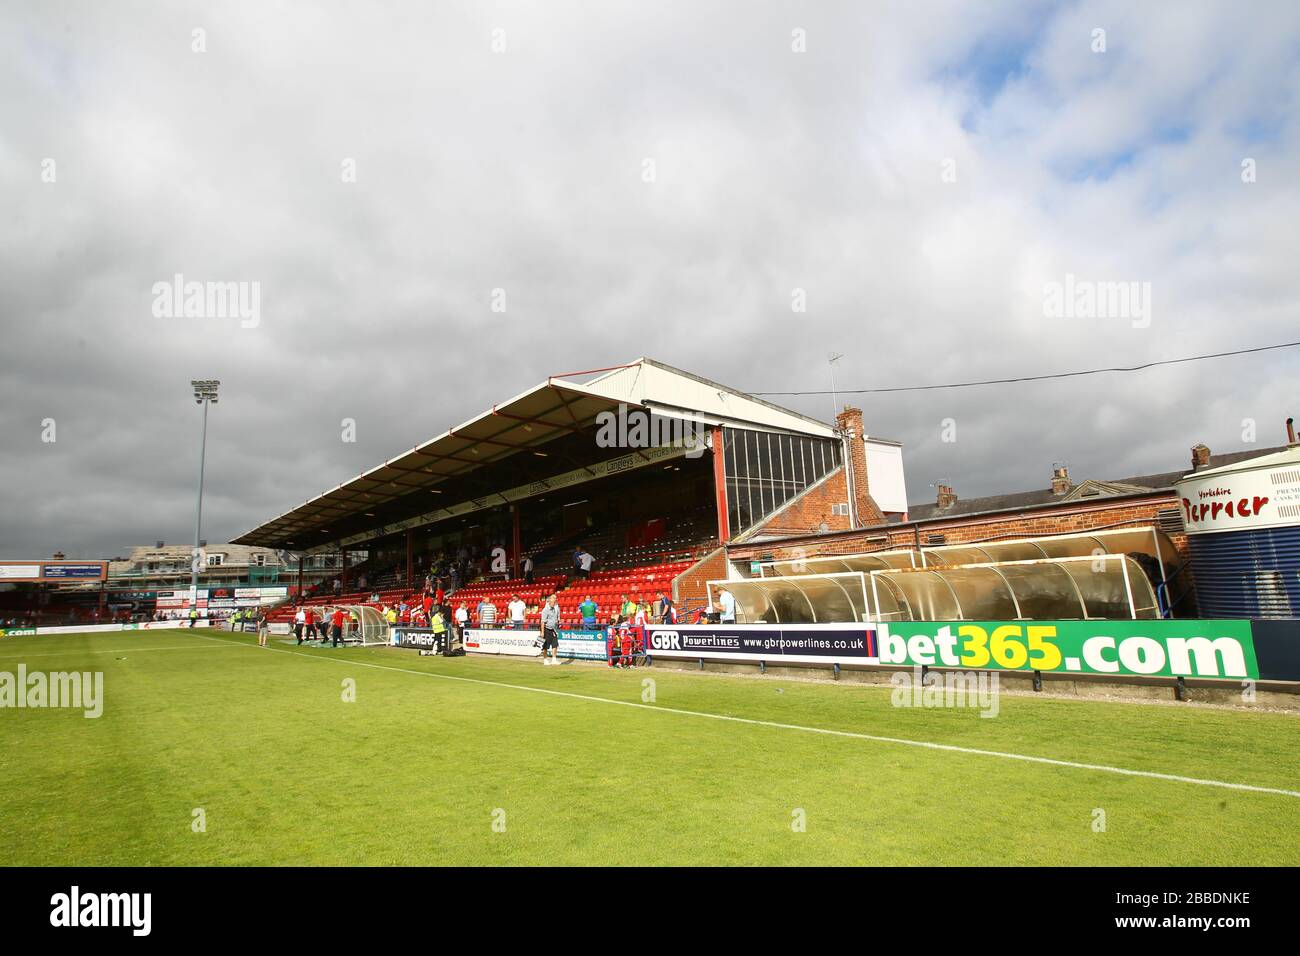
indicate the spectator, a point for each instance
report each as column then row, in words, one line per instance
column 338, row 587
column 588, row 609
column 641, row 617
column 299, row 622
column 517, row 610
column 528, row 569
column 584, row 563
column 728, row 604
column 663, row 606
column 487, row 613
column 462, row 617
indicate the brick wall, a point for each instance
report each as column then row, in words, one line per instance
column 689, row 587
column 850, row 422
column 1067, row 518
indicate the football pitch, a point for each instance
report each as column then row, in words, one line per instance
column 212, row 751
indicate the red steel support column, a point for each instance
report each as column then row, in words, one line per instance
column 514, row 512
column 720, row 486
column 343, row 570
column 410, row 558
column 299, row 600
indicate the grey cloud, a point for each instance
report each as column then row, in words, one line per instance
column 522, row 170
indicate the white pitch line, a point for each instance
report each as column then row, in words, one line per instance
column 929, row 745
column 117, row 650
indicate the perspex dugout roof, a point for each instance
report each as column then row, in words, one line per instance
column 1100, row 587
column 1146, row 540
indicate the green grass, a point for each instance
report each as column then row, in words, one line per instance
column 412, row 772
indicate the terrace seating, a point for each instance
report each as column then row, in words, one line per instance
column 606, row 586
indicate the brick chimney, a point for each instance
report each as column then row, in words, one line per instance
column 1061, row 484
column 849, row 423
column 945, row 497
column 1200, row 456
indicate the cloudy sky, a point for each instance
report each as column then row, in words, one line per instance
column 641, row 179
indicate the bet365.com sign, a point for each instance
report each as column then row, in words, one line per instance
column 1221, row 649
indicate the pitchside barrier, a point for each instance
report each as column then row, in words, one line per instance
column 1224, row 649
column 516, row 643
column 103, row 628
column 422, row 639
column 583, row 644
column 579, row 644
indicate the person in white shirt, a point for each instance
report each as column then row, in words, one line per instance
column 728, row 602
column 517, row 610
column 528, row 569
column 584, row 563
column 299, row 622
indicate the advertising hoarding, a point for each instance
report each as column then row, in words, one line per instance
column 521, row 643
column 583, row 644
column 849, row 643
column 1266, row 497
column 1168, row 648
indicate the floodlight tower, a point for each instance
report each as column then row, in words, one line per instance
column 205, row 393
